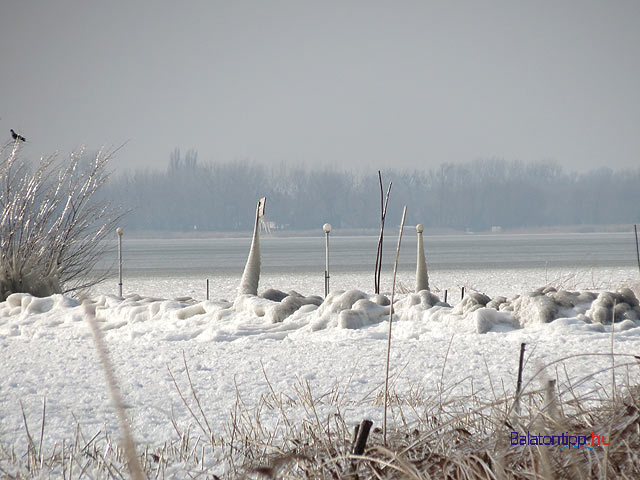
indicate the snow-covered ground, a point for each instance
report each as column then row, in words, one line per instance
column 233, row 346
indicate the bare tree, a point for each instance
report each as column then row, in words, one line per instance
column 52, row 227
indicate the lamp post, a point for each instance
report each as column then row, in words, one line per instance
column 326, row 228
column 119, row 231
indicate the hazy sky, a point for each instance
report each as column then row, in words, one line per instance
column 346, row 83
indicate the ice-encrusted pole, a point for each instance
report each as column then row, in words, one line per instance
column 251, row 274
column 119, row 231
column 635, row 229
column 326, row 228
column 422, row 276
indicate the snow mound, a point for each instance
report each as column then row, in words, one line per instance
column 274, row 305
column 415, row 305
column 332, row 311
column 353, row 309
column 472, row 302
column 545, row 305
column 532, row 309
column 489, row 319
column 616, row 307
column 363, row 312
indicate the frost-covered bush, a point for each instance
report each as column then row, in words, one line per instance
column 52, row 226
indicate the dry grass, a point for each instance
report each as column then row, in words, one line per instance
column 464, row 438
column 437, row 435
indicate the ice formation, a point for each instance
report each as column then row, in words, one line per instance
column 422, row 276
column 251, row 274
column 286, row 312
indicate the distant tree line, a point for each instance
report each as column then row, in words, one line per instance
column 476, row 195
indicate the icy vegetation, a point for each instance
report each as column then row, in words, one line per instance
column 52, row 225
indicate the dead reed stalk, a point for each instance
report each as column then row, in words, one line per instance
column 393, row 291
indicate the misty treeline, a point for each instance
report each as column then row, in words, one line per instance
column 476, row 195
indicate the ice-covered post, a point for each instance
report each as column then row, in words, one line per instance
column 327, row 229
column 251, row 274
column 119, row 231
column 422, row 277
column 635, row 229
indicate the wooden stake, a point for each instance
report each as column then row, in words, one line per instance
column 362, row 434
column 356, row 429
column 519, row 384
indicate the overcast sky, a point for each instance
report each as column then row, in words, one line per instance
column 355, row 84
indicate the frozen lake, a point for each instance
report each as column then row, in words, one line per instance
column 495, row 264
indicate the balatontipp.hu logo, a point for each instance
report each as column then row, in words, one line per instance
column 564, row 440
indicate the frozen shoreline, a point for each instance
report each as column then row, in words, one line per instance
column 48, row 353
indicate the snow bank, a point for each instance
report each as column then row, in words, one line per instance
column 276, row 314
column 548, row 304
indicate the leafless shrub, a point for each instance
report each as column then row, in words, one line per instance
column 52, row 225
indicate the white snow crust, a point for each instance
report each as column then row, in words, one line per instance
column 47, row 352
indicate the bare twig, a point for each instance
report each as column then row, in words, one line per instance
column 383, row 214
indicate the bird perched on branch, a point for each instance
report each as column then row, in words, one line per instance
column 17, row 136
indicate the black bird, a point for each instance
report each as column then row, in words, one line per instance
column 17, row 136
